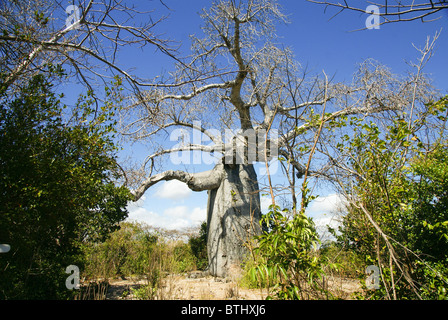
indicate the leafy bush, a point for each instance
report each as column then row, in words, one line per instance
column 349, row 263
column 56, row 189
column 184, row 259
column 287, row 258
column 146, row 292
column 198, row 245
column 397, row 218
column 138, row 251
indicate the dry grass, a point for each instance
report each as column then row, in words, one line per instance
column 182, row 287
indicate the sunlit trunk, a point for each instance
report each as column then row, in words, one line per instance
column 233, row 215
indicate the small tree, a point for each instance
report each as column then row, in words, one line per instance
column 428, row 221
column 198, row 245
column 397, row 204
column 57, row 190
column 286, row 256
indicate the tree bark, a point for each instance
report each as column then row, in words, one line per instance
column 233, row 215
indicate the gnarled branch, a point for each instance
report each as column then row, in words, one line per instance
column 201, row 181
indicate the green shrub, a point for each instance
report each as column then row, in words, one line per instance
column 57, row 188
column 136, row 250
column 198, row 247
column 146, row 292
column 184, row 260
column 349, row 263
column 287, row 258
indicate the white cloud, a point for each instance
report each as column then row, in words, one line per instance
column 134, row 205
column 325, row 212
column 325, row 204
column 325, row 220
column 176, row 212
column 265, row 202
column 198, row 215
column 174, row 190
column 173, row 218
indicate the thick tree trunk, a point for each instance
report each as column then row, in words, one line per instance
column 233, row 210
column 233, row 215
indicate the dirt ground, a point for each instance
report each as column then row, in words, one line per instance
column 197, row 287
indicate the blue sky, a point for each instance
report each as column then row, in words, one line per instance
column 318, row 43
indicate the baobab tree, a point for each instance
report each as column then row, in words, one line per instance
column 238, row 78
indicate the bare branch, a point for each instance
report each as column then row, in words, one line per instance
column 370, row 109
column 195, row 181
column 96, row 38
column 198, row 91
column 285, row 110
column 391, row 13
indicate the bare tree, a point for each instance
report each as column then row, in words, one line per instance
column 83, row 37
column 239, row 79
column 394, row 10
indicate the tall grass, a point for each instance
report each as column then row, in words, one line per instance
column 141, row 254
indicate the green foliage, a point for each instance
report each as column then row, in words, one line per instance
column 56, row 189
column 428, row 222
column 429, row 211
column 348, row 263
column 198, row 245
column 137, row 251
column 434, row 275
column 184, row 258
column 398, row 218
column 287, row 256
column 146, row 292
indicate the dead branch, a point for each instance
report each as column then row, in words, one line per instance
column 392, row 13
